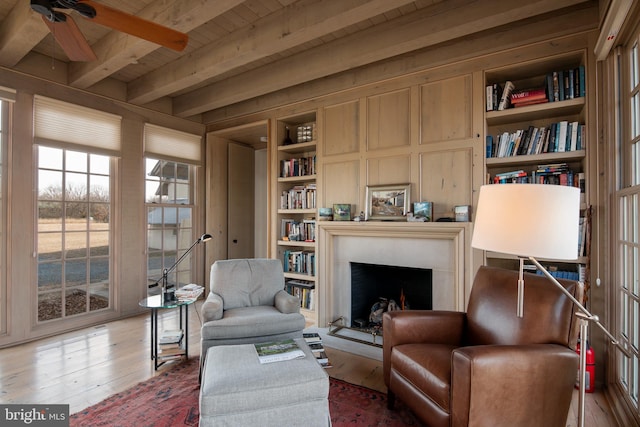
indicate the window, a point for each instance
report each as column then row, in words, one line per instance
column 627, row 255
column 4, row 141
column 73, row 232
column 171, row 160
column 76, row 150
column 169, row 197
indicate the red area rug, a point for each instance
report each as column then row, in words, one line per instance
column 171, row 399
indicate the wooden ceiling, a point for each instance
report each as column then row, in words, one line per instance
column 242, row 49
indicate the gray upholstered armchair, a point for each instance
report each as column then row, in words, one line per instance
column 248, row 304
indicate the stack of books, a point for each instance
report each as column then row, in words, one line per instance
column 170, row 344
column 189, row 292
column 314, row 341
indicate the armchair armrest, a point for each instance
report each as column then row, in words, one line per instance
column 481, row 375
column 287, row 303
column 419, row 326
column 212, row 308
column 423, row 326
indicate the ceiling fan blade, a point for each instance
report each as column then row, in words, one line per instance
column 138, row 27
column 70, row 39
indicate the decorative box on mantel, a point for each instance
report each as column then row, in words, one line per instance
column 442, row 247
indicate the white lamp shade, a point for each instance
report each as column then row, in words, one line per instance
column 537, row 220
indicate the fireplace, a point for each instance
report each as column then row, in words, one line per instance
column 376, row 288
column 440, row 247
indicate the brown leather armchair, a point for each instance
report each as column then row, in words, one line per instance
column 486, row 367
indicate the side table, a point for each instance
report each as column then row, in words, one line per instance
column 154, row 303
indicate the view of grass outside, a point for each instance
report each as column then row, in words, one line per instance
column 73, row 233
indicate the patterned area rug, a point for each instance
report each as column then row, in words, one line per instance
column 171, row 399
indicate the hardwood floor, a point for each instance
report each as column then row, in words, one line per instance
column 84, row 367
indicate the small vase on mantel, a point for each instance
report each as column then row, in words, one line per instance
column 287, row 138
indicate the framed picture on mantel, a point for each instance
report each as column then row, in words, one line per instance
column 388, row 202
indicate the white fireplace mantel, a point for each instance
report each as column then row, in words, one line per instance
column 442, row 247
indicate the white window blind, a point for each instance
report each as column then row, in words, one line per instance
column 7, row 94
column 68, row 125
column 170, row 144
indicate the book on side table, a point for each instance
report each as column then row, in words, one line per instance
column 277, row 351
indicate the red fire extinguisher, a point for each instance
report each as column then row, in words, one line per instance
column 590, row 372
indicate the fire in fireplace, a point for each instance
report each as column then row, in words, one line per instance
column 377, row 288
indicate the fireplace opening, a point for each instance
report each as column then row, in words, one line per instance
column 376, row 288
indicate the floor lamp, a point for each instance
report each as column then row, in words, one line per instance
column 536, row 221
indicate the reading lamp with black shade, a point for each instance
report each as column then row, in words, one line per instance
column 536, row 220
column 168, row 293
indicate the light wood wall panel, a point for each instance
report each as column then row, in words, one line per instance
column 446, row 179
column 389, row 120
column 446, row 109
column 389, row 170
column 341, row 183
column 341, row 129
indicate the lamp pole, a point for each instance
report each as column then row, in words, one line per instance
column 584, row 317
column 169, row 295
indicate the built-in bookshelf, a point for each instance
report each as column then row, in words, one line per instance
column 296, row 207
column 542, row 137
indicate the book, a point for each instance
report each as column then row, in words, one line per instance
column 311, row 337
column 170, row 336
column 321, row 357
column 506, row 95
column 316, row 347
column 526, row 95
column 489, row 147
column 530, row 102
column 489, row 96
column 174, row 351
column 277, row 351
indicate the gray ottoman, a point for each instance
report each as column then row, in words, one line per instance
column 237, row 390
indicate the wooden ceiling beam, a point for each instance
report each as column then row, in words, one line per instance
column 291, row 26
column 20, row 32
column 117, row 50
column 427, row 27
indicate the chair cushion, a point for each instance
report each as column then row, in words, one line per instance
column 428, row 368
column 255, row 321
column 247, row 282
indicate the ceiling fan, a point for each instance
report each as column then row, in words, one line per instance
column 74, row 44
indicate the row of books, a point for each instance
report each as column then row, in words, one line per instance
column 555, row 173
column 566, row 84
column 298, row 231
column 303, row 166
column 299, row 197
column 302, row 262
column 557, row 86
column 579, row 275
column 302, row 289
column 557, row 137
column 314, row 341
column 170, row 344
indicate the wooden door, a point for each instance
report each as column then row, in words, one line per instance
column 240, row 198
